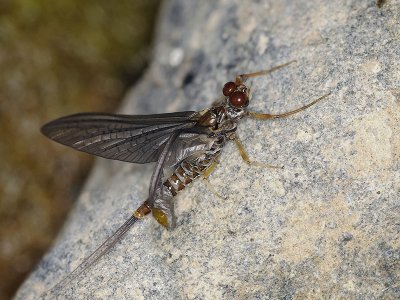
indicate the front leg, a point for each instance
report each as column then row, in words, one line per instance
column 241, row 79
column 284, row 115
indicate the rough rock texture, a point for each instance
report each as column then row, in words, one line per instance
column 327, row 225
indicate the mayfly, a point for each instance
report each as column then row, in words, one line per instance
column 184, row 145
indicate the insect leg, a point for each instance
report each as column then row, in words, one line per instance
column 246, row 157
column 284, row 115
column 207, row 172
column 240, row 79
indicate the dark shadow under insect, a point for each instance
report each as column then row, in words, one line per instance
column 184, row 145
column 380, row 3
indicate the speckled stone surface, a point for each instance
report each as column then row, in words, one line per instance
column 326, row 226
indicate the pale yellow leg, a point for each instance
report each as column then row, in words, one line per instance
column 243, row 77
column 207, row 182
column 246, row 157
column 284, row 115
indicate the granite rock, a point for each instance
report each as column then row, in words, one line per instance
column 325, row 226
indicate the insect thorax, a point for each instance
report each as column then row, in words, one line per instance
column 221, row 119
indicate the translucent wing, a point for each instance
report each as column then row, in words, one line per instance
column 188, row 144
column 130, row 138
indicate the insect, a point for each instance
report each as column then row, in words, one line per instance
column 184, row 145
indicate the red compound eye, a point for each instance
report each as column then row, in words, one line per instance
column 238, row 99
column 229, row 88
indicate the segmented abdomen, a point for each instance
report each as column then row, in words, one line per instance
column 189, row 170
column 185, row 174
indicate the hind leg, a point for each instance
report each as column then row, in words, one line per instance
column 207, row 182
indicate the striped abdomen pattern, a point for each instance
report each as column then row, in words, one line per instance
column 189, row 170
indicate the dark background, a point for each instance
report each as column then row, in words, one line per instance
column 56, row 58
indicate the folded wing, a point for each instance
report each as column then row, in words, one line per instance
column 130, row 138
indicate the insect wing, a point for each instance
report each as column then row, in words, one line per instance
column 130, row 138
column 188, row 144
